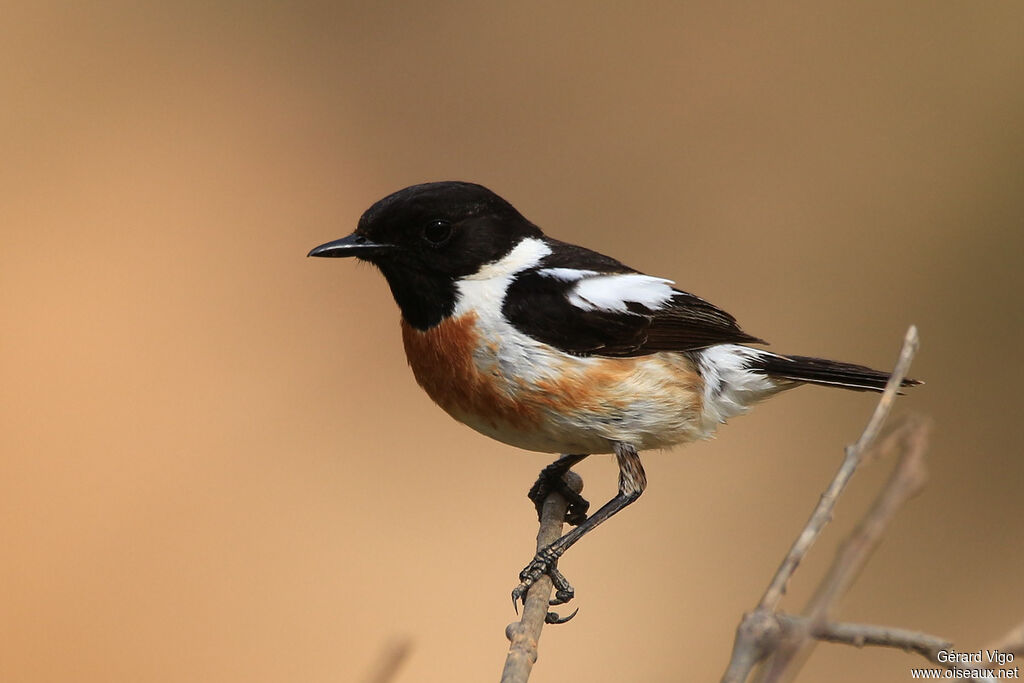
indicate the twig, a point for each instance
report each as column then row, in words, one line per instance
column 525, row 633
column 759, row 632
column 860, row 635
column 910, row 438
column 907, row 480
column 823, row 512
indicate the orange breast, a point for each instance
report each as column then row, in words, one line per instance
column 442, row 360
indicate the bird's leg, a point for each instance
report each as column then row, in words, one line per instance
column 632, row 482
column 550, row 479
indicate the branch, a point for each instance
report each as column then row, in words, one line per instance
column 777, row 627
column 910, row 439
column 859, row 635
column 759, row 632
column 524, row 634
column 854, row 453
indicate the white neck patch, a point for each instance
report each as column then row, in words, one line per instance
column 484, row 291
column 527, row 254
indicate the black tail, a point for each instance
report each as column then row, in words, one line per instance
column 827, row 372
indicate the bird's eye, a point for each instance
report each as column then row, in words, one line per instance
column 437, row 232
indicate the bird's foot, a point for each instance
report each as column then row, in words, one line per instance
column 545, row 562
column 551, row 479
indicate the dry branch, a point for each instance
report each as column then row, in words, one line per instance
column 910, row 440
column 760, row 631
column 860, row 635
column 854, row 453
column 525, row 633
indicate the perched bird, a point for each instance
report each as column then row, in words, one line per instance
column 552, row 347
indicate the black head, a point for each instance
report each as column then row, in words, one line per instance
column 425, row 237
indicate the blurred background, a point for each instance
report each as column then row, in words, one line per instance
column 214, row 462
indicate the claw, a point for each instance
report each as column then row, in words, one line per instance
column 564, row 592
column 549, row 481
column 562, row 597
column 545, row 562
column 519, row 593
column 553, row 618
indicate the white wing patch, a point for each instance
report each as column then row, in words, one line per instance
column 614, row 292
column 566, row 274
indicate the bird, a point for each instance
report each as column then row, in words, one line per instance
column 552, row 347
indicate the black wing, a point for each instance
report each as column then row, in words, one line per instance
column 597, row 306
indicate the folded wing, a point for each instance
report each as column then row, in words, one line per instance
column 611, row 310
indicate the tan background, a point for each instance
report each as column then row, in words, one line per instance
column 214, row 464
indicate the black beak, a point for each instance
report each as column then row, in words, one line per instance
column 353, row 245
